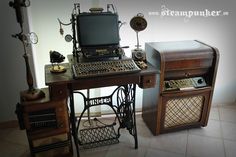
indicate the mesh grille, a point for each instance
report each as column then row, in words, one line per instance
column 183, row 111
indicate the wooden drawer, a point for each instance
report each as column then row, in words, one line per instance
column 188, row 63
column 53, row 146
column 148, row 81
column 185, row 73
column 58, row 91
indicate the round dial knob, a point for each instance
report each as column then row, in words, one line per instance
column 200, row 81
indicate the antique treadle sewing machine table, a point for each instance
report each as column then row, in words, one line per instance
column 63, row 85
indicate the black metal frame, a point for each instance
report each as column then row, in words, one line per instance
column 124, row 110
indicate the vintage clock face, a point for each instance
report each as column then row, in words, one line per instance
column 33, row 38
column 138, row 23
column 68, row 38
column 30, row 38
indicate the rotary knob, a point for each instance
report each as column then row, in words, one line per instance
column 200, row 81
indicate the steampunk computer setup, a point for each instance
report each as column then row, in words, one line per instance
column 177, row 77
column 98, row 53
column 98, row 60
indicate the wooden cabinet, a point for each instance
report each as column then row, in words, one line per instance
column 47, row 126
column 170, row 110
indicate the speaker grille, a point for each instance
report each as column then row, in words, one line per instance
column 183, row 111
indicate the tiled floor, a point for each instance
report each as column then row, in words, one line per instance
column 218, row 139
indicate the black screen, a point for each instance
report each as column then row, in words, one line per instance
column 97, row 29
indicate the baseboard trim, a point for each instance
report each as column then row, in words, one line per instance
column 9, row 124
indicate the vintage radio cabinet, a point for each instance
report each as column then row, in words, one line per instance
column 185, row 85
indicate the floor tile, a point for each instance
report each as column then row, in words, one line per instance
column 92, row 153
column 212, row 129
column 172, row 142
column 230, row 148
column 214, row 113
column 217, row 139
column 17, row 136
column 227, row 114
column 229, row 130
column 231, row 106
column 8, row 149
column 159, row 153
column 5, row 132
column 124, row 150
column 142, row 128
column 129, row 140
column 144, row 135
column 199, row 146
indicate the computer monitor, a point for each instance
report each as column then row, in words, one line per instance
column 98, row 33
column 97, row 29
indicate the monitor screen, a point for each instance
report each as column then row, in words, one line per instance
column 97, row 29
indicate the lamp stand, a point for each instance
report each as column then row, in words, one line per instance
column 32, row 93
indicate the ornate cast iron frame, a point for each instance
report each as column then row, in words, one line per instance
column 124, row 110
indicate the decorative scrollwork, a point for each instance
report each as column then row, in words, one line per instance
column 124, row 107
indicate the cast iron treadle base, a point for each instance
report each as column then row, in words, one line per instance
column 99, row 136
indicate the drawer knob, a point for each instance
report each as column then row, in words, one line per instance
column 187, row 74
column 149, row 81
column 60, row 125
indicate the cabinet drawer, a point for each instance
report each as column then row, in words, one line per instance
column 198, row 63
column 185, row 73
column 58, row 92
column 148, row 81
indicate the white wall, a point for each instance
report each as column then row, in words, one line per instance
column 216, row 31
column 12, row 65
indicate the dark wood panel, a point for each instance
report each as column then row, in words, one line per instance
column 150, row 106
column 185, row 73
column 188, row 64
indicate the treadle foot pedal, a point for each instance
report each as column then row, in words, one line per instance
column 98, row 136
